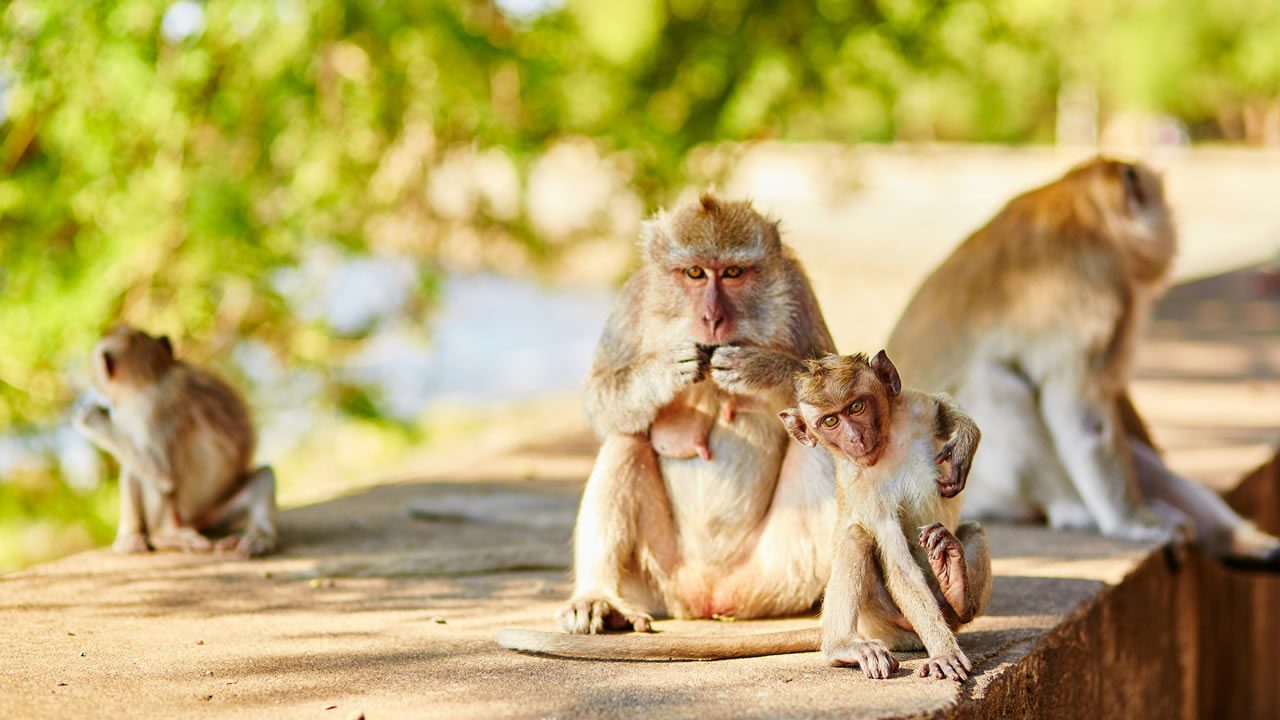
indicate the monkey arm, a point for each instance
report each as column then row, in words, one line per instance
column 753, row 370
column 95, row 423
column 962, row 437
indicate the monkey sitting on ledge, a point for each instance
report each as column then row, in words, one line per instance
column 901, row 459
column 184, row 442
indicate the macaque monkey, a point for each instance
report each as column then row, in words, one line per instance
column 1031, row 325
column 184, row 441
column 698, row 504
column 901, row 459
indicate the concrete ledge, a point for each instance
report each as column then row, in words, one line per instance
column 388, row 602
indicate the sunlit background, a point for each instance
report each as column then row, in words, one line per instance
column 397, row 223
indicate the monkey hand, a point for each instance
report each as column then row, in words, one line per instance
column 92, row 421
column 593, row 615
column 872, row 656
column 692, row 363
column 183, row 539
column 748, row 369
column 952, row 482
column 1156, row 523
column 130, row 544
column 947, row 666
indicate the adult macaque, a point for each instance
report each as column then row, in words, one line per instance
column 184, row 441
column 1031, row 325
column 729, row 518
column 901, row 458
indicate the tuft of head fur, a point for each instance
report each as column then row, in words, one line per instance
column 829, row 381
column 710, row 229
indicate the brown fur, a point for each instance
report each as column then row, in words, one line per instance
column 184, row 440
column 743, row 529
column 1032, row 323
column 887, row 443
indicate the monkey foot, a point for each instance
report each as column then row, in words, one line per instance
column 131, row 544
column 251, row 543
column 1250, row 548
column 183, row 539
column 952, row 666
column 594, row 615
column 946, row 557
column 872, row 656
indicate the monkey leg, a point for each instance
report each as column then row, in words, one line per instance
column 254, row 507
column 1221, row 530
column 787, row 566
column 848, row 592
column 131, row 530
column 962, row 565
column 165, row 530
column 624, row 541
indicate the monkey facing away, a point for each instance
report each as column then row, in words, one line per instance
column 184, row 441
column 901, row 459
column 1031, row 324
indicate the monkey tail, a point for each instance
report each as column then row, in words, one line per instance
column 659, row 647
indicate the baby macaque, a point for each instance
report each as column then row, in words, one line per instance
column 901, row 459
column 184, row 442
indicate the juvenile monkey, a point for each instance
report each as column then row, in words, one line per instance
column 1031, row 324
column 894, row 449
column 698, row 504
column 901, row 458
column 184, row 442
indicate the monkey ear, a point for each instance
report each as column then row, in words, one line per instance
column 795, row 425
column 1133, row 189
column 887, row 373
column 168, row 345
column 108, row 365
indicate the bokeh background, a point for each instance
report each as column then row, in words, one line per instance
column 398, row 225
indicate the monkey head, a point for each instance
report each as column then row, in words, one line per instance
column 1121, row 202
column 127, row 359
column 845, row 403
column 717, row 264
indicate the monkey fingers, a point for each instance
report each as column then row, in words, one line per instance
column 130, row 544
column 947, row 667
column 692, row 363
column 593, row 616
column 946, row 558
column 872, row 656
column 251, row 543
column 182, row 539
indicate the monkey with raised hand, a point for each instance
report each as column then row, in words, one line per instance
column 698, row 505
column 1031, row 324
column 903, row 570
column 184, row 441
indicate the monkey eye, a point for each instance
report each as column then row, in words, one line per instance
column 733, row 271
column 696, row 272
column 857, row 407
column 830, row 421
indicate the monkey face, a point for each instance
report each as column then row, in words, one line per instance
column 845, row 403
column 128, row 358
column 715, row 292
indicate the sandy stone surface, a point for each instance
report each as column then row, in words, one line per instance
column 387, row 601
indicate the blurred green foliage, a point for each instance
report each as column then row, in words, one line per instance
column 159, row 173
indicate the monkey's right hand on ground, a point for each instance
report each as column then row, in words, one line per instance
column 594, row 615
column 872, row 656
column 952, row 666
column 182, row 539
